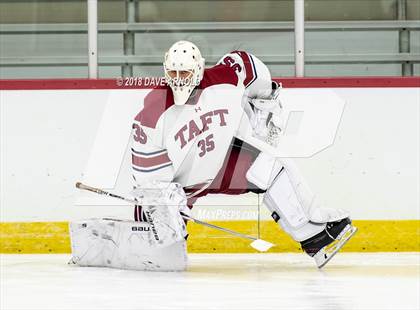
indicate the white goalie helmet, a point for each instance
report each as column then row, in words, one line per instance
column 184, row 69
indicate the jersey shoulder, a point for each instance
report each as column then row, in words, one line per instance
column 156, row 103
column 248, row 66
column 219, row 74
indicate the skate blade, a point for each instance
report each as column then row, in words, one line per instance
column 330, row 250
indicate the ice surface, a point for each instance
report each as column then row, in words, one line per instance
column 217, row 281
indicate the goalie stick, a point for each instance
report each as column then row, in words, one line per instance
column 258, row 244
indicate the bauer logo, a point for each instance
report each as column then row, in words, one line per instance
column 140, row 228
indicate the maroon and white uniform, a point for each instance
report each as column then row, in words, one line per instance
column 196, row 143
column 192, row 144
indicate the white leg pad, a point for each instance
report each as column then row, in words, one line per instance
column 287, row 209
column 290, row 200
column 263, row 171
column 123, row 244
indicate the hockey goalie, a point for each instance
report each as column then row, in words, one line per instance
column 186, row 144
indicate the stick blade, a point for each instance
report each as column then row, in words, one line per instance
column 261, row 245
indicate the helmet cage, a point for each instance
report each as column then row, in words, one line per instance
column 189, row 60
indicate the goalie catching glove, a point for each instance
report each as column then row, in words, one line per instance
column 266, row 117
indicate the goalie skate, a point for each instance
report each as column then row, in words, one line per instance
column 328, row 252
column 326, row 244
